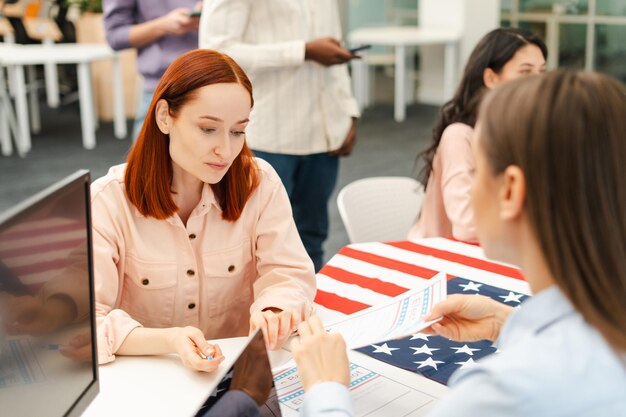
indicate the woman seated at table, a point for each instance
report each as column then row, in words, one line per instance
column 550, row 196
column 502, row 55
column 193, row 237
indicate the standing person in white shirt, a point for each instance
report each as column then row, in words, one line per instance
column 305, row 114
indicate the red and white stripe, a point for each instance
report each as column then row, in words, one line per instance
column 366, row 274
column 37, row 250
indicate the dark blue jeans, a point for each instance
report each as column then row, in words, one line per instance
column 309, row 181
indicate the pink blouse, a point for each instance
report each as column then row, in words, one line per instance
column 211, row 274
column 446, row 210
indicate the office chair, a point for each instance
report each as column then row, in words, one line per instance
column 380, row 208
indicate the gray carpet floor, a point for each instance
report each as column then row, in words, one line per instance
column 384, row 147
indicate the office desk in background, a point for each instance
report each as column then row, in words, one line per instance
column 402, row 38
column 16, row 57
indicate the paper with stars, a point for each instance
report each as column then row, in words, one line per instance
column 400, row 316
column 436, row 357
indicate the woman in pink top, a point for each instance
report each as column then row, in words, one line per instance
column 193, row 237
column 502, row 55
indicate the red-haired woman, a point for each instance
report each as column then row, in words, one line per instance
column 193, row 237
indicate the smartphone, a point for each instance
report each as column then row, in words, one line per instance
column 195, row 13
column 359, row 48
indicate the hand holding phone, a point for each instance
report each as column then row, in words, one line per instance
column 359, row 48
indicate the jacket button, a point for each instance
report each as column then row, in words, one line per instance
column 192, row 236
column 191, row 272
column 191, row 306
column 231, row 268
column 145, row 281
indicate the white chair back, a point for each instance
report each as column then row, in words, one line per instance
column 380, row 208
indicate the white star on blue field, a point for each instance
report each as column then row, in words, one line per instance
column 436, row 357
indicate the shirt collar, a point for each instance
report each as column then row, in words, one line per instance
column 536, row 314
column 207, row 200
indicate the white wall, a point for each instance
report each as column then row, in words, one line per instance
column 473, row 19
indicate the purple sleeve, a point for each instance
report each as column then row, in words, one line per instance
column 119, row 16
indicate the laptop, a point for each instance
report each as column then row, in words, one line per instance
column 248, row 386
column 48, row 361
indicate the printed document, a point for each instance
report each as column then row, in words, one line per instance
column 401, row 316
column 377, row 389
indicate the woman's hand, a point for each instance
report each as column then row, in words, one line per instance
column 194, row 351
column 32, row 315
column 320, row 356
column 79, row 348
column 468, row 318
column 277, row 325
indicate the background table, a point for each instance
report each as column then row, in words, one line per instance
column 401, row 38
column 16, row 57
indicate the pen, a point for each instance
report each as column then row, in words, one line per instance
column 55, row 346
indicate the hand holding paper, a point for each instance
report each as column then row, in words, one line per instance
column 401, row 316
column 468, row 318
column 320, row 356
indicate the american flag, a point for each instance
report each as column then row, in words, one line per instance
column 436, row 357
column 35, row 250
column 366, row 274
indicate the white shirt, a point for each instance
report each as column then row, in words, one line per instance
column 300, row 107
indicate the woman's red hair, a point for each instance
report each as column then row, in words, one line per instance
column 149, row 166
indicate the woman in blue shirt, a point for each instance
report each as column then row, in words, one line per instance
column 550, row 196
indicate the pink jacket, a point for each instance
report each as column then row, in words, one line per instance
column 211, row 274
column 446, row 211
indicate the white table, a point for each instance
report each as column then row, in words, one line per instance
column 8, row 124
column 401, row 38
column 16, row 57
column 161, row 386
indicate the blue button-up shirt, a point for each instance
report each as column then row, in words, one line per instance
column 552, row 363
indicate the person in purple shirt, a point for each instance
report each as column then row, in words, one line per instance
column 160, row 30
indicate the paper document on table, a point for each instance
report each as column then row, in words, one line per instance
column 373, row 393
column 401, row 316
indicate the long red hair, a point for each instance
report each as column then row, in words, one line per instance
column 149, row 165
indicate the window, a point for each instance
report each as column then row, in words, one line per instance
column 579, row 33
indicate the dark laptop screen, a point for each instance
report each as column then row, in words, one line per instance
column 247, row 388
column 47, row 355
